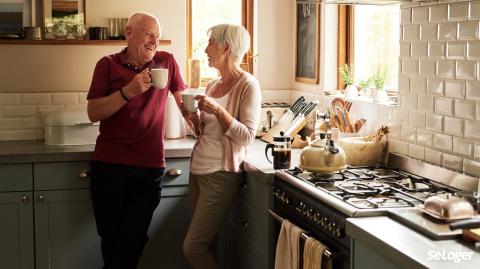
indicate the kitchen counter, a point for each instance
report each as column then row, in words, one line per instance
column 37, row 151
column 406, row 248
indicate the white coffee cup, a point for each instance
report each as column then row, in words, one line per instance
column 159, row 77
column 189, row 102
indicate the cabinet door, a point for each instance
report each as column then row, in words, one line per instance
column 239, row 252
column 16, row 230
column 167, row 231
column 65, row 231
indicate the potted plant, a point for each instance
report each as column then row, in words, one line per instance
column 346, row 74
column 378, row 80
column 365, row 86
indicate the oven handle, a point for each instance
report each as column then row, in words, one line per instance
column 277, row 217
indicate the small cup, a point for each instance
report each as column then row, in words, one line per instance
column 159, row 77
column 189, row 102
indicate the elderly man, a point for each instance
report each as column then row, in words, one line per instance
column 128, row 162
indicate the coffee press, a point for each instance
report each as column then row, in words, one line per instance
column 281, row 151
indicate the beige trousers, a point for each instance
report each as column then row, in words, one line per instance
column 211, row 197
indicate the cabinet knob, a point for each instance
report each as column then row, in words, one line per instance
column 243, row 185
column 25, row 199
column 245, row 223
column 84, row 173
column 174, row 172
column 41, row 198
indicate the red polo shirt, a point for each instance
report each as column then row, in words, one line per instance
column 134, row 135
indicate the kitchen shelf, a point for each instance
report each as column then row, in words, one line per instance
column 73, row 42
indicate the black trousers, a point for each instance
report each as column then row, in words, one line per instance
column 124, row 199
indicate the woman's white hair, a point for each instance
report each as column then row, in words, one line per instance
column 236, row 36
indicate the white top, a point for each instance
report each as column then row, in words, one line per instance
column 204, row 159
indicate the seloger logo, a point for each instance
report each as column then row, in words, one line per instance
column 455, row 256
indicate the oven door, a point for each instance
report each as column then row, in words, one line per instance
column 338, row 255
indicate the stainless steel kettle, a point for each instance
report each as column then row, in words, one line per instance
column 323, row 155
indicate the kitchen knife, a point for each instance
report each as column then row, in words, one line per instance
column 288, row 116
column 299, row 121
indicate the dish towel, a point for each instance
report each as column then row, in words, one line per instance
column 287, row 254
column 313, row 254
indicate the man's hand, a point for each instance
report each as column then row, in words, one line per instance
column 140, row 83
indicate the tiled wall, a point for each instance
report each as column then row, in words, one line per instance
column 438, row 119
column 22, row 114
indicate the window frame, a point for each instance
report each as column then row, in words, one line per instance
column 248, row 63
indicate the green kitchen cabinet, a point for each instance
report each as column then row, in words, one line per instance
column 246, row 240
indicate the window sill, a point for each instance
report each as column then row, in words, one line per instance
column 365, row 99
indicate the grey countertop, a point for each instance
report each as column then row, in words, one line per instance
column 37, row 151
column 409, row 249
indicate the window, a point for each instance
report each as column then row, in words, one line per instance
column 203, row 14
column 371, row 41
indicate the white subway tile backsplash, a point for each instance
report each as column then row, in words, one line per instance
column 82, row 98
column 477, row 150
column 418, row 84
column 427, row 68
column 456, row 50
column 458, row 11
column 405, row 15
column 32, row 123
column 395, row 130
column 403, row 84
column 434, row 122
column 404, row 50
column 439, row 13
column 419, row 50
column 473, row 50
column 396, row 146
column 410, row 67
column 400, row 115
column 453, row 126
column 466, row 70
column 411, row 32
column 447, row 31
column 452, row 162
column 36, row 98
column 478, row 110
column 18, row 111
column 475, row 10
column 9, row 98
column 65, row 98
column 468, row 30
column 417, row 119
column 455, row 88
column 409, row 101
column 433, row 156
column 446, row 69
column 443, row 142
column 18, row 135
column 420, row 15
column 444, row 106
column 472, row 129
column 436, row 50
column 426, row 103
column 463, row 147
column 473, row 90
column 471, row 167
column 10, row 124
column 416, row 152
column 429, row 32
column 424, row 138
column 465, row 109
column 435, row 87
column 43, row 110
column 408, row 134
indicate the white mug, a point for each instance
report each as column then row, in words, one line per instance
column 159, row 77
column 189, row 102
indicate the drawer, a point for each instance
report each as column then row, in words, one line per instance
column 61, row 175
column 257, row 193
column 16, row 177
column 252, row 225
column 182, row 164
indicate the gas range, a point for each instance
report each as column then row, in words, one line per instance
column 322, row 203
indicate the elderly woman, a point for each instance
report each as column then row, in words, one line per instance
column 225, row 125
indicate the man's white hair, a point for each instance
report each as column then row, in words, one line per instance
column 137, row 17
column 235, row 35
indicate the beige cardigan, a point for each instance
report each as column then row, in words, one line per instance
column 244, row 104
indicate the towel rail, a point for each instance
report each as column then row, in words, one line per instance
column 326, row 253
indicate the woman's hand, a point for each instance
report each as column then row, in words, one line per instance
column 207, row 104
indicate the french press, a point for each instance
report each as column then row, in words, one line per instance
column 281, row 151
